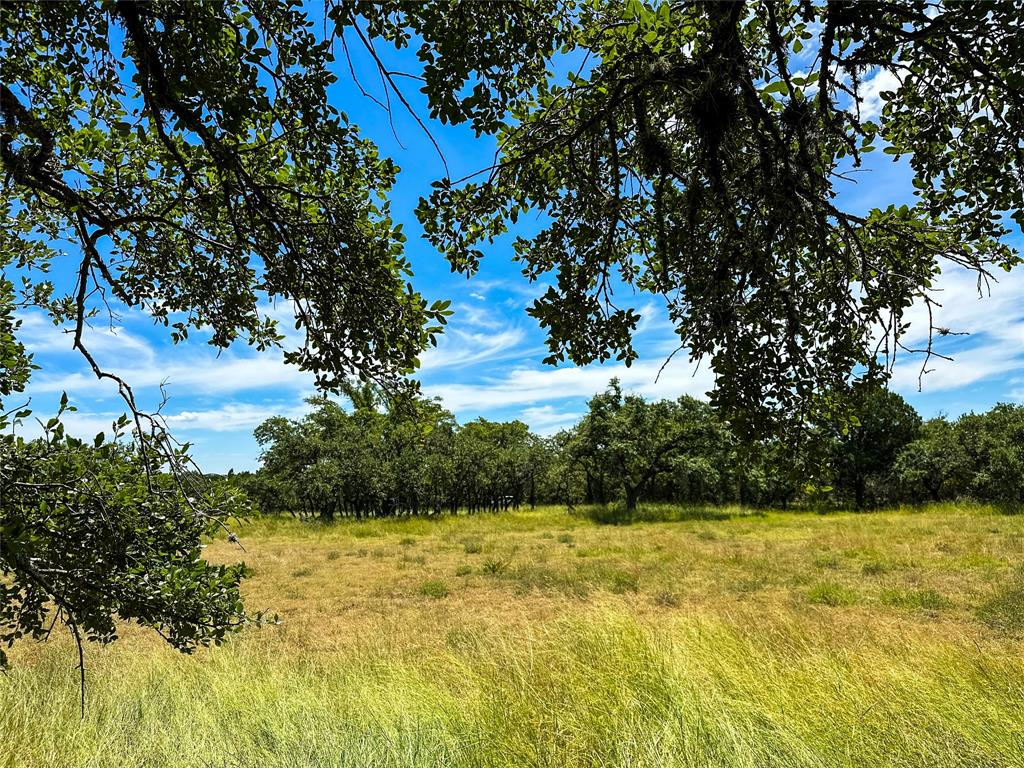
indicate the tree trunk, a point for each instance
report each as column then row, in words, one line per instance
column 631, row 498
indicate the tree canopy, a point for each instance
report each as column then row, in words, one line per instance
column 628, row 443
column 697, row 153
column 406, row 458
column 192, row 154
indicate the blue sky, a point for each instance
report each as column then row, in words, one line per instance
column 489, row 361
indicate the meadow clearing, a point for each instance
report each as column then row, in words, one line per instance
column 717, row 637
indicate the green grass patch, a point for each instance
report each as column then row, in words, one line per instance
column 494, row 566
column 433, row 589
column 873, row 568
column 827, row 561
column 831, row 594
column 916, row 599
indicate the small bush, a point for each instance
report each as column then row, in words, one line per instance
column 565, row 538
column 494, row 566
column 472, row 546
column 333, row 554
column 408, row 541
column 464, row 570
column 434, row 589
column 302, row 572
column 834, row 595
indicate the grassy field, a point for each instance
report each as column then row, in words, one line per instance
column 718, row 638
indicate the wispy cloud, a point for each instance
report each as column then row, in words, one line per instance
column 968, row 367
column 461, row 348
column 232, row 417
column 189, row 374
column 994, row 320
column 537, row 387
column 226, row 418
column 547, row 420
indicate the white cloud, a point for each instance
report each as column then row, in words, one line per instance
column 145, row 363
column 994, row 319
column 968, row 367
column 474, row 316
column 547, row 420
column 189, row 374
column 460, row 348
column 996, row 310
column 536, row 387
column 41, row 336
column 232, row 417
column 870, row 92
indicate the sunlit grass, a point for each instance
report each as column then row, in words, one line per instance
column 543, row 639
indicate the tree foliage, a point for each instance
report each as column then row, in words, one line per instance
column 934, row 465
column 994, row 445
column 696, row 153
column 381, row 458
column 95, row 533
column 190, row 153
column 372, row 460
column 625, row 443
column 88, row 536
column 863, row 456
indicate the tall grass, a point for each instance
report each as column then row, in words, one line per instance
column 607, row 690
column 561, row 660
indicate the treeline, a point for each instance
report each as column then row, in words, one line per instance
column 369, row 460
column 373, row 461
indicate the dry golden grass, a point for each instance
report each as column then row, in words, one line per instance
column 330, row 582
column 540, row 638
